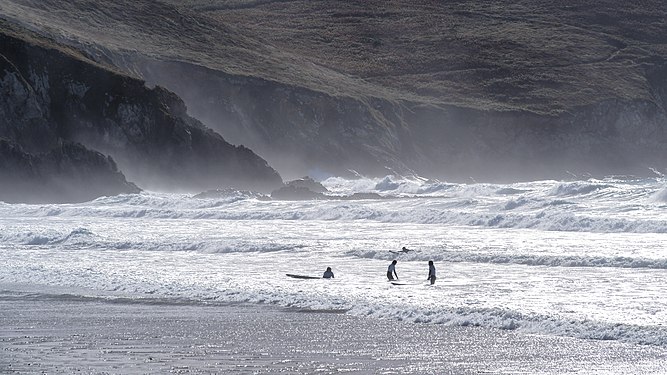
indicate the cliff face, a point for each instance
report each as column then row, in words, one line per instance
column 480, row 89
column 302, row 131
column 53, row 94
column 67, row 173
column 36, row 164
column 461, row 89
column 308, row 131
column 607, row 138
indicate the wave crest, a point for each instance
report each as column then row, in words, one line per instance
column 519, row 259
column 506, row 319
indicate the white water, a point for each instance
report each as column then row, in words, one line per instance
column 581, row 259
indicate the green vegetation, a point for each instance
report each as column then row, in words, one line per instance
column 454, row 89
column 540, row 56
column 533, row 55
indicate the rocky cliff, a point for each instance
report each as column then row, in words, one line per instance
column 481, row 89
column 68, row 173
column 53, row 95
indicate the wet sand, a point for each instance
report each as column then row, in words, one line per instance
column 61, row 335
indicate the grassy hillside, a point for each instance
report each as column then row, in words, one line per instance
column 540, row 56
column 454, row 89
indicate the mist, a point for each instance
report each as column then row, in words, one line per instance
column 362, row 92
column 299, row 134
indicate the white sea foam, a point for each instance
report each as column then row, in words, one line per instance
column 660, row 196
column 583, row 259
column 522, row 259
column 548, row 205
column 512, row 320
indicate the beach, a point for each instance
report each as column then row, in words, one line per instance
column 540, row 277
column 66, row 334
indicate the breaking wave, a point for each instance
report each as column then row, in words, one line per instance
column 519, row 259
column 614, row 207
column 507, row 319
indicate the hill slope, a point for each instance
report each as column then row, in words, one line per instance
column 482, row 89
column 54, row 96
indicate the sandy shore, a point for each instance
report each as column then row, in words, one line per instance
column 57, row 334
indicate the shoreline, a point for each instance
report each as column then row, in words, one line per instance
column 55, row 335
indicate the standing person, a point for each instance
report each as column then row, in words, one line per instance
column 328, row 274
column 431, row 272
column 391, row 271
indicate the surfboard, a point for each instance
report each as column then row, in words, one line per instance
column 302, row 276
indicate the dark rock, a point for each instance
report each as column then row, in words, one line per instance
column 68, row 173
column 309, row 184
column 360, row 196
column 52, row 93
column 296, row 193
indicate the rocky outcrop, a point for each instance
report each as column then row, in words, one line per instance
column 68, row 173
column 308, row 183
column 52, row 94
column 296, row 193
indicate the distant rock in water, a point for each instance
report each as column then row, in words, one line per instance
column 53, row 97
column 309, row 184
column 69, row 173
column 360, row 196
column 296, row 193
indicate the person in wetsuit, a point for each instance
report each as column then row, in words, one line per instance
column 431, row 272
column 391, row 271
column 328, row 274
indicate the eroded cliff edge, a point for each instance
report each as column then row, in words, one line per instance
column 58, row 102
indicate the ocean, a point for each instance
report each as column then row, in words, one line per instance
column 581, row 259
